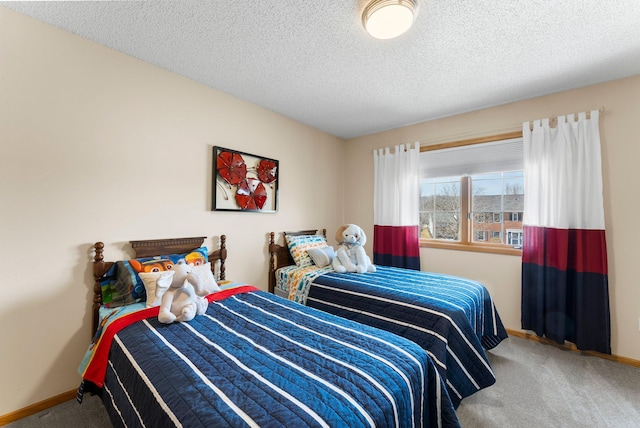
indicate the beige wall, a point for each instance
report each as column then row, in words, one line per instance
column 619, row 129
column 97, row 146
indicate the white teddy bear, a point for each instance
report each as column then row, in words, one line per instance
column 350, row 255
column 180, row 301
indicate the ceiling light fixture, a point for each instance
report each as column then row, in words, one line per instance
column 386, row 19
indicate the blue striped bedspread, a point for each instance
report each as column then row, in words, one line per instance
column 255, row 359
column 454, row 319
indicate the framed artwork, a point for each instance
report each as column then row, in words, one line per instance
column 244, row 182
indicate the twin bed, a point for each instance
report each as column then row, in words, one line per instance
column 454, row 319
column 253, row 359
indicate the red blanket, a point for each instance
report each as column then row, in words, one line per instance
column 97, row 367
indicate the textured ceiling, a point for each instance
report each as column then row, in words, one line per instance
column 311, row 60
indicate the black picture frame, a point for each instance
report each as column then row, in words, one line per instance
column 244, row 182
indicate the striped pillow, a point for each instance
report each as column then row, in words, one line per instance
column 298, row 246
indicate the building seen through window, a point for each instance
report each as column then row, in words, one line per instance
column 483, row 204
column 497, row 207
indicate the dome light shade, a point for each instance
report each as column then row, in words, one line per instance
column 386, row 19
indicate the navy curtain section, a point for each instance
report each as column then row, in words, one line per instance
column 565, row 286
column 396, row 246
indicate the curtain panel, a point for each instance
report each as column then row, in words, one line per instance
column 396, row 200
column 565, row 292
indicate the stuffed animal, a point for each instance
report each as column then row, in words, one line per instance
column 180, row 301
column 350, row 255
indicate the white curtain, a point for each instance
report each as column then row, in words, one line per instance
column 396, row 195
column 563, row 173
column 396, row 202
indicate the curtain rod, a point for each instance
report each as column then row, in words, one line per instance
column 514, row 131
column 575, row 115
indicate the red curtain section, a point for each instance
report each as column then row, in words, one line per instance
column 566, row 249
column 397, row 246
column 565, row 286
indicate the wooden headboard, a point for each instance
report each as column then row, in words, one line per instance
column 279, row 255
column 150, row 248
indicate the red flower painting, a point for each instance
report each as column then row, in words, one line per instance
column 251, row 194
column 267, row 170
column 251, row 180
column 231, row 167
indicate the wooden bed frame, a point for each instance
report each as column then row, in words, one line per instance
column 150, row 248
column 279, row 255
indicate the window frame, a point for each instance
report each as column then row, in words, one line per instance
column 465, row 244
column 519, row 233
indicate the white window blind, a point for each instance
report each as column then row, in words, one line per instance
column 504, row 155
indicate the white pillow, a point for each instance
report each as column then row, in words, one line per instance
column 155, row 284
column 321, row 256
column 208, row 283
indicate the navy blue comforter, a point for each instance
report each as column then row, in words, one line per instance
column 255, row 359
column 452, row 318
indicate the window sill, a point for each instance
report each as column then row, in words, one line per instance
column 478, row 248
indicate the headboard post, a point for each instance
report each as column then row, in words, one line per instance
column 272, row 262
column 223, row 257
column 100, row 268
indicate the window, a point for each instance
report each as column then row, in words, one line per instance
column 514, row 238
column 514, row 216
column 481, row 235
column 473, row 194
column 440, row 208
column 494, row 197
